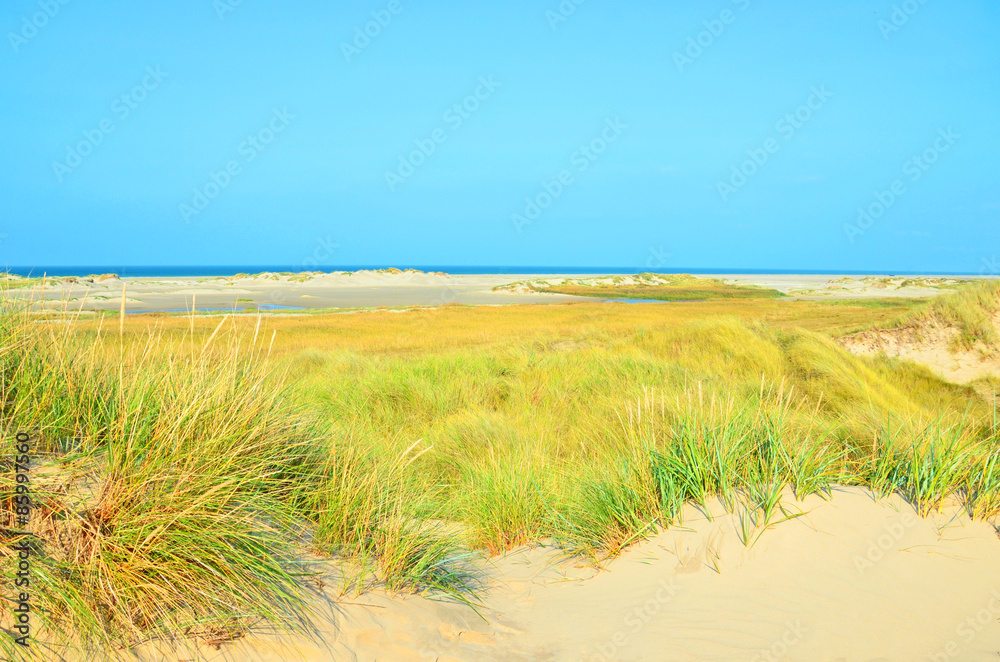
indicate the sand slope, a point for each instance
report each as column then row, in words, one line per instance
column 931, row 344
column 852, row 579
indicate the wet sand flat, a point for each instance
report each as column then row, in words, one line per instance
column 373, row 289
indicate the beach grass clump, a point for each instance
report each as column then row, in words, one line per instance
column 163, row 502
column 695, row 450
column 607, row 510
column 364, row 510
column 492, row 478
column 982, row 484
column 971, row 309
column 170, row 494
column 744, row 456
column 156, row 553
column 501, row 498
column 934, row 468
column 661, row 287
column 930, row 465
column 744, row 453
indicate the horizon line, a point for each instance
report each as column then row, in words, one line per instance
column 179, row 270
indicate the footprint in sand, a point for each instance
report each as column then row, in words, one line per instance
column 452, row 633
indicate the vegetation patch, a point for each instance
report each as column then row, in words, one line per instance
column 971, row 309
column 682, row 287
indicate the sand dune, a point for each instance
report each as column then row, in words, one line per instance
column 852, row 578
column 930, row 343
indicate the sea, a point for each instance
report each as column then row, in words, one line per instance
column 175, row 271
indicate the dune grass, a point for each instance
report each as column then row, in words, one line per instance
column 170, row 488
column 970, row 308
column 164, row 480
column 536, row 441
column 184, row 469
column 670, row 287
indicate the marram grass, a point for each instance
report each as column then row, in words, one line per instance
column 181, row 474
column 168, row 488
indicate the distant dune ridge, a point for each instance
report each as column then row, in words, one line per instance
column 314, row 290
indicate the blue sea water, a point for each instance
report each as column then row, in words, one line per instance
column 166, row 271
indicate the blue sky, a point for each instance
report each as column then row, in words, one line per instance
column 659, row 135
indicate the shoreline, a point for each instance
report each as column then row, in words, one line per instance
column 310, row 291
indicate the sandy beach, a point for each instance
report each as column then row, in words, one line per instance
column 363, row 289
column 400, row 289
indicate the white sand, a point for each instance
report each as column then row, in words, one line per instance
column 931, row 344
column 376, row 289
column 339, row 290
column 820, row 287
column 852, row 579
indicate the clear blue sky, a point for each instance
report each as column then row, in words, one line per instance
column 184, row 85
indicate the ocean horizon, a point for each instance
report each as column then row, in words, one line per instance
column 178, row 271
